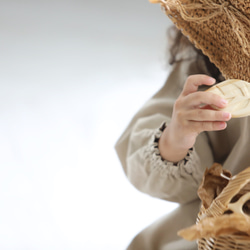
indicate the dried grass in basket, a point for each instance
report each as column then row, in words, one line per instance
column 224, row 218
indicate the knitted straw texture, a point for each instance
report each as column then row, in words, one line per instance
column 221, row 29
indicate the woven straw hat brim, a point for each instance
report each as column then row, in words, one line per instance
column 211, row 30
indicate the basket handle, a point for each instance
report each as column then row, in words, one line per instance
column 235, row 184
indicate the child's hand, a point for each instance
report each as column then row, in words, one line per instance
column 192, row 115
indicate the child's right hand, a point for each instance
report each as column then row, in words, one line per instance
column 192, row 114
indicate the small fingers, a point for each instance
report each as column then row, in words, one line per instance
column 207, row 115
column 205, row 98
column 194, row 81
column 208, row 126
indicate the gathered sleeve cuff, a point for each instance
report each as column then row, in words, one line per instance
column 149, row 173
column 160, row 164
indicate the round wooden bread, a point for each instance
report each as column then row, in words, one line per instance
column 237, row 93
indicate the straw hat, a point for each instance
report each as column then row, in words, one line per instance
column 220, row 28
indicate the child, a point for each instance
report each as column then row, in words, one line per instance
column 173, row 138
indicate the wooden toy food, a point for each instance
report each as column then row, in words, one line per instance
column 237, row 93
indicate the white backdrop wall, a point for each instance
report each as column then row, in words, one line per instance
column 72, row 75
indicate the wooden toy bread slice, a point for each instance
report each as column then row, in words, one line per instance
column 237, row 93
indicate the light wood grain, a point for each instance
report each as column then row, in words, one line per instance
column 237, row 93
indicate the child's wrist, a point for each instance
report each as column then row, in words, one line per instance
column 171, row 150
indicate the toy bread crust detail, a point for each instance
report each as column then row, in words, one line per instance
column 237, row 93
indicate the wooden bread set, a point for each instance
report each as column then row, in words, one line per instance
column 237, row 93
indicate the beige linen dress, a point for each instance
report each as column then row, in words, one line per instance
column 146, row 170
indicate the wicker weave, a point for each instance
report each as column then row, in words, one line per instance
column 234, row 242
column 220, row 28
column 218, row 207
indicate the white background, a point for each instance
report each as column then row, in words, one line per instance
column 72, row 75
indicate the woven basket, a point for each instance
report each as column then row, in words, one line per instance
column 220, row 204
column 234, row 242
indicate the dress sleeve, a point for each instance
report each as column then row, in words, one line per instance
column 138, row 151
